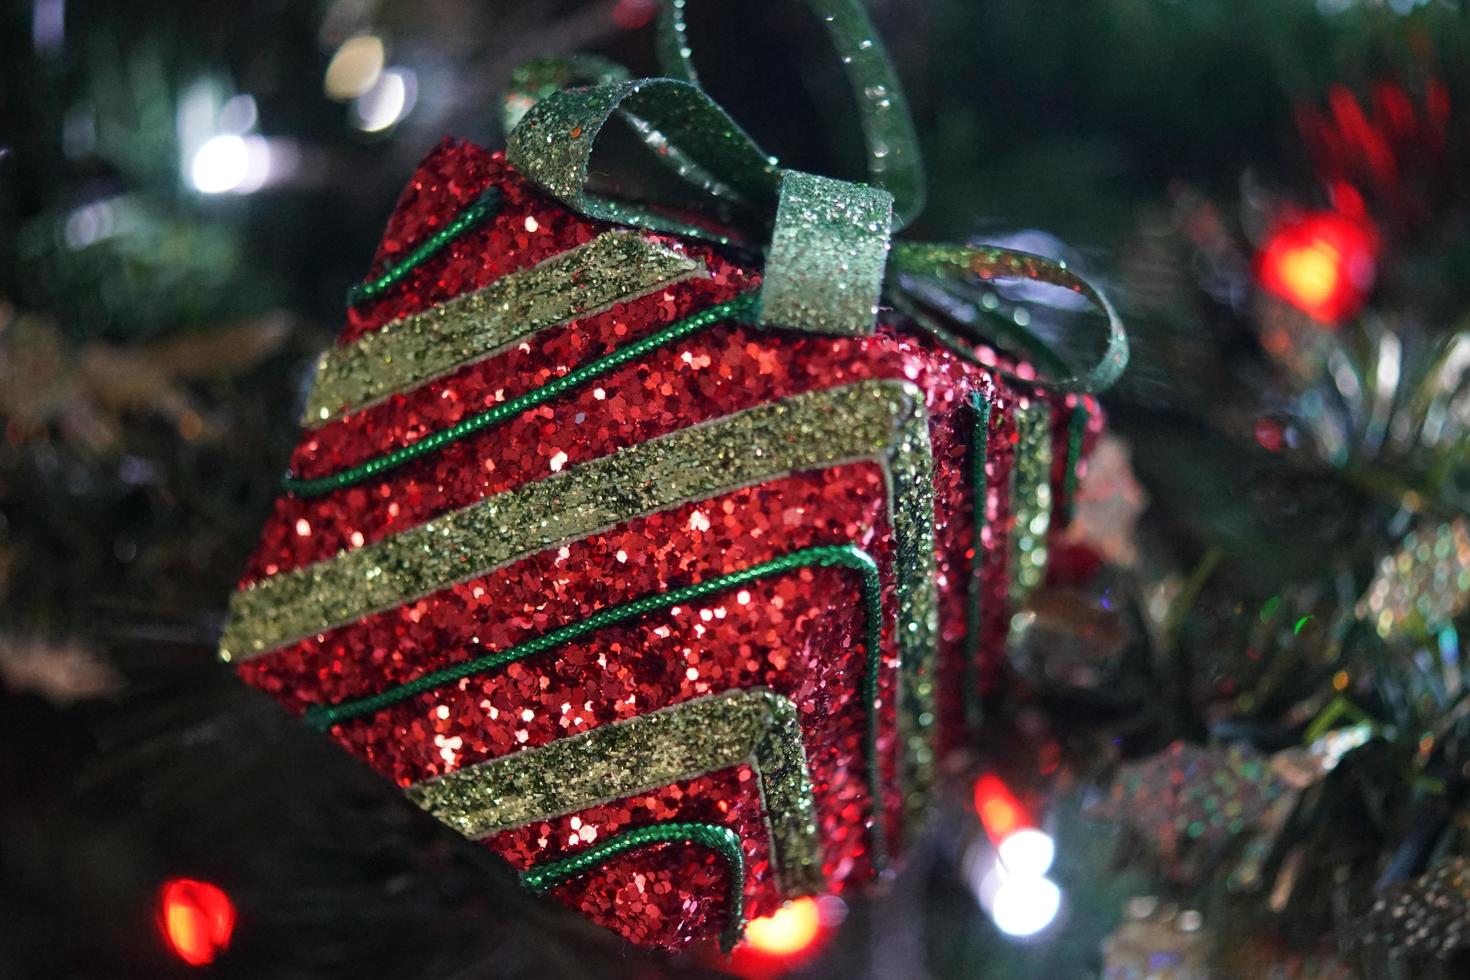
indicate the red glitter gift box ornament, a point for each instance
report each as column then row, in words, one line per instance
column 664, row 563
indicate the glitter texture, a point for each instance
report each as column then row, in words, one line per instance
column 487, row 204
column 650, row 509
column 812, row 430
column 738, row 308
column 612, row 268
column 824, row 270
column 1031, row 496
column 721, row 840
column 1422, row 585
column 756, row 727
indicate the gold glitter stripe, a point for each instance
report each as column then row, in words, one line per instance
column 615, row 761
column 809, row 431
column 612, row 268
column 1031, row 497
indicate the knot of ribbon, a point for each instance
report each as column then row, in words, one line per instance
column 829, row 255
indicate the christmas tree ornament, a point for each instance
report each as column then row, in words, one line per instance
column 655, row 547
column 1425, row 919
column 1158, row 941
column 1198, row 807
column 1423, row 585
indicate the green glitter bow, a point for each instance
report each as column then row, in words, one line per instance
column 829, row 261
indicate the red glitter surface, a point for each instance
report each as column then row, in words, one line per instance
column 634, row 893
column 799, row 633
column 450, row 179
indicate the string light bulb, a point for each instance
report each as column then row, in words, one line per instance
column 196, row 918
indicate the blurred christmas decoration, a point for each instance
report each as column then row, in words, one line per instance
column 61, row 673
column 1424, row 919
column 1424, row 585
column 1191, row 804
column 1158, row 941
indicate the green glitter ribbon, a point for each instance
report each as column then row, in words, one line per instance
column 486, row 206
column 893, row 158
column 828, row 239
column 975, row 623
column 553, row 143
column 949, row 265
column 722, row 840
column 824, row 271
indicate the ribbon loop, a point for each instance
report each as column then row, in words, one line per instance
column 553, row 143
column 824, row 271
column 539, row 78
column 894, row 160
column 961, row 263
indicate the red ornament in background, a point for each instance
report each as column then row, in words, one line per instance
column 196, row 919
column 1321, row 262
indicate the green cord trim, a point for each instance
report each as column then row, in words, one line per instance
column 974, row 624
column 322, row 717
column 722, row 840
column 741, row 308
column 485, row 206
column 1076, row 434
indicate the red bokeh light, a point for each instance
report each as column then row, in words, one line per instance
column 1000, row 812
column 196, row 918
column 774, row 944
column 786, row 931
column 1322, row 263
column 633, row 14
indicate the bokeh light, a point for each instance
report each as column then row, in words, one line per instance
column 355, row 67
column 388, row 101
column 1322, row 263
column 999, row 810
column 229, row 163
column 1027, row 852
column 790, row 929
column 1025, row 905
column 196, row 918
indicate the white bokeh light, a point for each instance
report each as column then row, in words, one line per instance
column 220, row 165
column 389, row 100
column 231, row 164
column 1025, row 905
column 1027, row 852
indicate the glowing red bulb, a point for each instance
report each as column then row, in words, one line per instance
column 793, row 934
column 786, row 931
column 1000, row 812
column 196, row 918
column 1322, row 263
